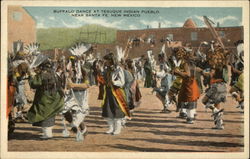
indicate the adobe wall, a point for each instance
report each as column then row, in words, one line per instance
column 24, row 30
column 232, row 34
column 180, row 34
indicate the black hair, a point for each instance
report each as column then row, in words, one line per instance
column 238, row 42
column 110, row 57
column 161, row 56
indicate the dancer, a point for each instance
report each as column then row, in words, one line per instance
column 48, row 101
column 177, row 63
column 148, row 71
column 114, row 106
column 139, row 70
column 217, row 91
column 100, row 79
column 237, row 92
column 237, row 66
column 237, row 76
column 21, row 76
column 189, row 91
column 11, row 98
column 76, row 102
column 21, row 69
column 166, row 82
column 134, row 87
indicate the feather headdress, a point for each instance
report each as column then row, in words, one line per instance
column 240, row 51
column 79, row 49
column 169, row 39
column 18, row 47
column 176, row 63
column 163, row 49
column 150, row 56
column 120, row 53
column 167, row 67
column 200, row 55
column 32, row 49
column 149, row 53
column 38, row 60
column 150, row 38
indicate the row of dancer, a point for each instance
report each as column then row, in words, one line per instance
column 181, row 83
column 61, row 87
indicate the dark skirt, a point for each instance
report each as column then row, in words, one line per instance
column 111, row 108
column 45, row 123
column 148, row 81
column 189, row 105
column 217, row 92
column 162, row 91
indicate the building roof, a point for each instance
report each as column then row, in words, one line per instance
column 173, row 28
column 30, row 14
column 189, row 23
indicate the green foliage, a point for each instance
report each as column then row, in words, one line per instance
column 66, row 37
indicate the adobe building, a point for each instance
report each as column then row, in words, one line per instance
column 189, row 33
column 21, row 26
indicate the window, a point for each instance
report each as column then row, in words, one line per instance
column 170, row 37
column 17, row 16
column 194, row 36
column 222, row 34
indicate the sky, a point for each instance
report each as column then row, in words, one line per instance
column 139, row 17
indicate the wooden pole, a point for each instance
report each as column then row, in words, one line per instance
column 213, row 31
column 55, row 53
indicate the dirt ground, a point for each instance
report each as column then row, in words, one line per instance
column 148, row 131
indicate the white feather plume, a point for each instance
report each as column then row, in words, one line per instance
column 90, row 59
column 240, row 49
column 149, row 53
column 202, row 56
column 163, row 49
column 150, row 56
column 212, row 47
column 120, row 53
column 205, row 43
column 176, row 63
column 19, row 45
column 32, row 49
column 167, row 67
column 79, row 49
column 148, row 40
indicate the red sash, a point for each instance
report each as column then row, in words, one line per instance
column 120, row 97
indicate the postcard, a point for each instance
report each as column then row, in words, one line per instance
column 124, row 79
